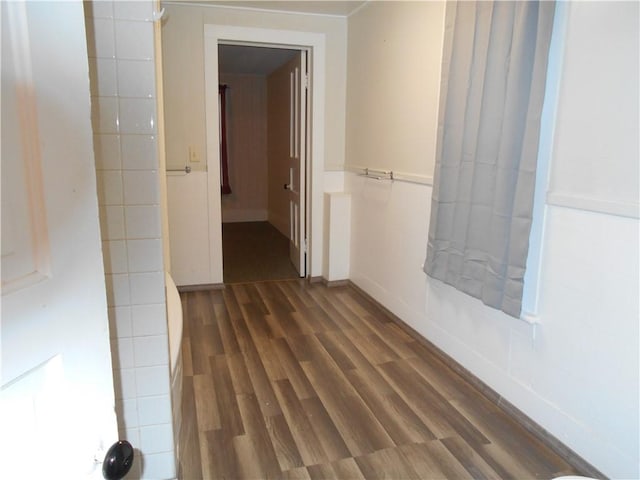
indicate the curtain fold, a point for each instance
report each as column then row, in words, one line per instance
column 225, row 187
column 492, row 91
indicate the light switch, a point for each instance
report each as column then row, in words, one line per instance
column 193, row 155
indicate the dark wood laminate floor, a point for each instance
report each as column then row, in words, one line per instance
column 255, row 251
column 293, row 380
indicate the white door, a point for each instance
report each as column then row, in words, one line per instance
column 57, row 400
column 297, row 160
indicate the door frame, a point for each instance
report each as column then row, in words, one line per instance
column 314, row 44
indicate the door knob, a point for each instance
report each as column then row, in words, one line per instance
column 118, row 460
column 287, row 186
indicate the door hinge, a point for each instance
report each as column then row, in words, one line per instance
column 306, row 80
column 304, row 245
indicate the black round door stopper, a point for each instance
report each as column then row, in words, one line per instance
column 118, row 460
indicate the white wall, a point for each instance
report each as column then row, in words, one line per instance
column 576, row 373
column 394, row 53
column 184, row 73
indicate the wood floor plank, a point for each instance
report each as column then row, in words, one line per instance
column 269, row 358
column 190, row 460
column 248, row 458
column 389, row 463
column 239, row 374
column 230, row 419
column 447, row 382
column 256, row 298
column 318, row 319
column 240, row 293
column 301, row 322
column 321, row 471
column 300, row 473
column 227, row 334
column 256, row 429
column 255, row 366
column 438, row 414
column 293, row 380
column 302, row 431
column 357, row 425
column 391, row 338
column 340, row 342
column 293, row 370
column 283, row 443
column 433, row 460
column 231, row 304
column 275, row 326
column 200, row 354
column 335, row 350
column 531, row 455
column 324, row 299
column 207, row 412
column 397, row 418
column 295, row 292
column 219, row 460
column 255, row 321
column 372, row 347
column 347, row 468
column 187, row 359
column 469, row 458
column 332, row 442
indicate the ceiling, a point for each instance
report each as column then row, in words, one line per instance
column 251, row 60
column 327, row 7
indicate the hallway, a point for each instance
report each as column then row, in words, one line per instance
column 289, row 379
column 255, row 251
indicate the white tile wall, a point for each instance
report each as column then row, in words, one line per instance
column 141, row 187
column 134, row 40
column 150, row 351
column 139, row 152
column 142, row 221
column 122, row 73
column 156, row 438
column 115, row 256
column 133, row 10
column 148, row 319
column 152, row 381
column 102, row 72
column 109, row 187
column 112, row 221
column 152, row 409
column 137, row 115
column 136, row 78
column 107, row 152
column 102, row 33
column 104, row 115
column 144, row 255
column 120, row 322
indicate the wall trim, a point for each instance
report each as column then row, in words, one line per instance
column 521, row 418
column 576, row 202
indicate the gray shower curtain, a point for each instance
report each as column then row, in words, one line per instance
column 493, row 78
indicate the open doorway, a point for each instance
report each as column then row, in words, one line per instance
column 263, row 97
